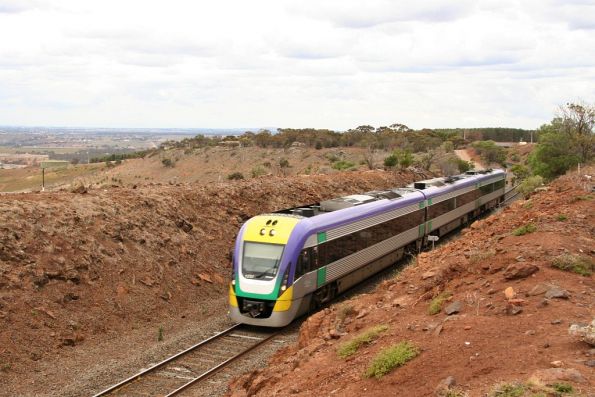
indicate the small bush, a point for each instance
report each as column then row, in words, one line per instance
column 342, row 165
column 508, row 390
column 436, row 303
column 528, row 228
column 160, row 334
column 284, row 163
column 391, row 161
column 561, row 218
column 167, row 163
column 562, row 388
column 390, row 358
column 258, row 171
column 344, row 312
column 234, row 176
column 574, row 263
column 365, row 338
column 529, row 185
column 586, row 197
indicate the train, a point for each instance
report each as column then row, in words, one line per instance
column 290, row 262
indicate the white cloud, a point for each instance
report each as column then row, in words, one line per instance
column 334, row 64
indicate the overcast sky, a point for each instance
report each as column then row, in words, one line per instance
column 293, row 63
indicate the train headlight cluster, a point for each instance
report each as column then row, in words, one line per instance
column 272, row 232
column 263, row 231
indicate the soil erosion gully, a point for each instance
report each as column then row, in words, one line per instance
column 193, row 365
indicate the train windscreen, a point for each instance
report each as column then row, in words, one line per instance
column 261, row 261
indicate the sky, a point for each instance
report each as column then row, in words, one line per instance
column 294, row 63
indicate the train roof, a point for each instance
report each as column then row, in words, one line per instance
column 334, row 212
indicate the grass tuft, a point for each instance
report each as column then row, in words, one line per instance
column 574, row 263
column 508, row 390
column 528, row 228
column 391, row 358
column 365, row 338
column 344, row 311
column 562, row 388
column 561, row 217
column 436, row 303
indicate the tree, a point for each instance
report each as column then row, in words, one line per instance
column 565, row 142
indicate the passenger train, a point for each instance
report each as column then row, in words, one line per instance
column 292, row 261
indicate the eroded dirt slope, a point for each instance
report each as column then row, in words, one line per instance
column 75, row 267
column 510, row 311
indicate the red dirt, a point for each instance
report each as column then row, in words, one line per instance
column 77, row 270
column 481, row 346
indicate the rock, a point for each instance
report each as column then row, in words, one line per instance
column 557, row 364
column 585, row 333
column 556, row 321
column 530, row 332
column 509, row 293
column 428, row 274
column 539, row 289
column 454, row 308
column 444, row 385
column 78, row 187
column 361, row 314
column 519, row 270
column 513, row 310
column 401, row 301
column 467, row 327
column 544, row 377
column 205, row 277
column 557, row 293
column 590, row 363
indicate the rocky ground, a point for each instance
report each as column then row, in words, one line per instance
column 502, row 309
column 91, row 279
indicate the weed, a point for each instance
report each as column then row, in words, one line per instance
column 586, row 197
column 344, row 312
column 574, row 263
column 480, row 256
column 160, row 334
column 436, row 303
column 453, row 393
column 528, row 204
column 168, row 163
column 390, row 358
column 365, row 338
column 528, row 228
column 508, row 390
column 258, row 171
column 5, row 367
column 561, row 217
column 562, row 388
column 234, row 176
column 342, row 165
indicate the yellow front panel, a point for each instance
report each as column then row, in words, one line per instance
column 284, row 302
column 233, row 301
column 281, row 230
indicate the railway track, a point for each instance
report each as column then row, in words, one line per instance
column 193, row 365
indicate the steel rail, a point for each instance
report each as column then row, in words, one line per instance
column 215, row 369
column 164, row 362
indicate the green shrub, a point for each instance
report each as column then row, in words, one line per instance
column 342, row 165
column 284, row 163
column 390, row 358
column 562, row 387
column 508, row 390
column 167, row 163
column 235, row 176
column 528, row 228
column 391, row 161
column 365, row 338
column 529, row 185
column 574, row 263
column 436, row 303
column 561, row 217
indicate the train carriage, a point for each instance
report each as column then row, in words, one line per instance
column 289, row 262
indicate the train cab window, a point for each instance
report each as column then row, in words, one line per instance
column 307, row 262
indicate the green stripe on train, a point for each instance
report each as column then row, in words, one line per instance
column 321, row 277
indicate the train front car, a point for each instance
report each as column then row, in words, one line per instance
column 260, row 292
